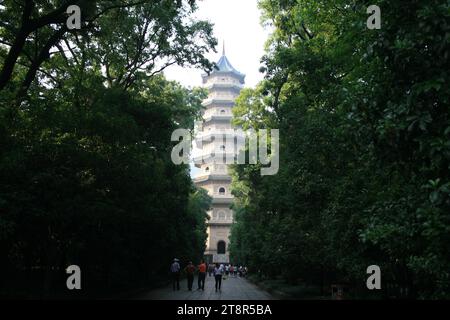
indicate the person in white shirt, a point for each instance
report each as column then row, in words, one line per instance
column 218, row 272
column 175, row 273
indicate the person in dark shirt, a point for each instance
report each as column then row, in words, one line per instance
column 190, row 270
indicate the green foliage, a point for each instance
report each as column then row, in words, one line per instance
column 85, row 169
column 364, row 167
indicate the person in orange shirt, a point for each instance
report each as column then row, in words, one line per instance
column 201, row 275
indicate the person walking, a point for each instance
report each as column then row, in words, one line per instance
column 210, row 269
column 218, row 272
column 190, row 270
column 201, row 275
column 175, row 273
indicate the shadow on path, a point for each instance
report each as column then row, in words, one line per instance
column 233, row 288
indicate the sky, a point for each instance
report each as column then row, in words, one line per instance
column 237, row 22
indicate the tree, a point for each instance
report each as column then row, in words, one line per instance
column 122, row 37
column 363, row 120
column 85, row 163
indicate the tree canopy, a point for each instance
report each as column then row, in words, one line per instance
column 364, row 151
column 86, row 119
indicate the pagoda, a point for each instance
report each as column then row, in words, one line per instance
column 216, row 143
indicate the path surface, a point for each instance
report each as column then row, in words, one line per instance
column 232, row 289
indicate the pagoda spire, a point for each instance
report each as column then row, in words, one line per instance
column 223, row 48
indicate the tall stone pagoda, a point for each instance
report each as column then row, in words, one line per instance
column 216, row 142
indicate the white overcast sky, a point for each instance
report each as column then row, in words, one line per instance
column 238, row 23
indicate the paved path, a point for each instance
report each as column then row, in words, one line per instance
column 232, row 289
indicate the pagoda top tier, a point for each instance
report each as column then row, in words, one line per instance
column 223, row 66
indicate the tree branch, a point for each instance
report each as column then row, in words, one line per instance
column 309, row 33
column 17, row 45
column 43, row 55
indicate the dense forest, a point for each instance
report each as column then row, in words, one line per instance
column 85, row 125
column 86, row 118
column 364, row 148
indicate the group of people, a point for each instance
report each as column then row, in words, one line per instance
column 218, row 270
column 231, row 270
column 190, row 269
